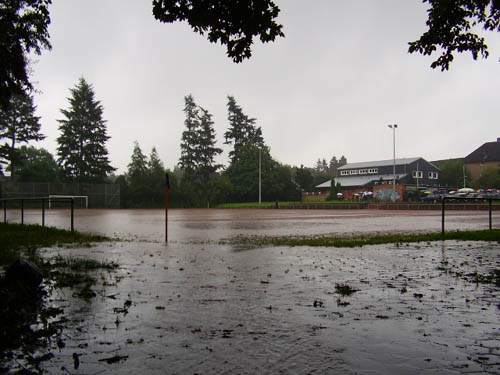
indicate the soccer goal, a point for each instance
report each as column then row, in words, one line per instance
column 55, row 197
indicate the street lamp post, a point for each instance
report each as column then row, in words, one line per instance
column 260, row 177
column 393, row 127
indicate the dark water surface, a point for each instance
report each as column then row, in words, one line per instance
column 198, row 308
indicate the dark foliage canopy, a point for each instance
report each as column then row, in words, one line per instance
column 37, row 165
column 18, row 124
column 232, row 23
column 23, row 29
column 452, row 26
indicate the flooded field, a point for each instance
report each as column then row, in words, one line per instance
column 195, row 307
column 215, row 224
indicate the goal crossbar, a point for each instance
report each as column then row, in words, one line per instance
column 55, row 196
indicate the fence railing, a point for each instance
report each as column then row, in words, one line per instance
column 450, row 198
column 45, row 201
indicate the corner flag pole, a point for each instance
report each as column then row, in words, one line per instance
column 168, row 189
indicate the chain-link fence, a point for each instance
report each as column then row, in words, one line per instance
column 99, row 195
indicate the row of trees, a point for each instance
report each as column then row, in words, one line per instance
column 81, row 153
column 454, row 174
column 199, row 181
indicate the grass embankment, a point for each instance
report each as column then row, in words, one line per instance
column 358, row 241
column 17, row 240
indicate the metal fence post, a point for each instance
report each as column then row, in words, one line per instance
column 4, row 211
column 22, row 211
column 43, row 212
column 72, row 214
column 489, row 205
column 442, row 216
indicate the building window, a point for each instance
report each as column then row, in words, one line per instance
column 363, row 171
column 417, row 174
column 373, row 170
column 344, row 173
column 353, row 171
column 433, row 175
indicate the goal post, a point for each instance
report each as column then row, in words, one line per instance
column 55, row 196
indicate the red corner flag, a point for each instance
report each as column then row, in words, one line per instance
column 167, row 180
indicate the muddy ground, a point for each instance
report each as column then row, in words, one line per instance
column 194, row 307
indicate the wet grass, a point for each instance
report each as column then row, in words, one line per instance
column 16, row 239
column 30, row 329
column 359, row 241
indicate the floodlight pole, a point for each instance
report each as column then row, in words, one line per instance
column 393, row 127
column 260, row 177
column 167, row 191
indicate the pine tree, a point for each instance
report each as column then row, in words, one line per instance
column 155, row 179
column 198, row 150
column 207, row 151
column 18, row 124
column 137, row 177
column 81, row 148
column 189, row 138
column 241, row 130
column 138, row 166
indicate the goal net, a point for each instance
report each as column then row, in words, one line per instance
column 81, row 198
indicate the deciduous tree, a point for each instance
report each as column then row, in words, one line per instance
column 37, row 165
column 232, row 23
column 453, row 26
column 304, row 178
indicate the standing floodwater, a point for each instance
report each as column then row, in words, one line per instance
column 215, row 224
column 196, row 307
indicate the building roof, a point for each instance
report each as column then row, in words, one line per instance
column 349, row 181
column 490, row 151
column 380, row 163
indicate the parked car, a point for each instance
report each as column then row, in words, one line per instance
column 489, row 195
column 432, row 198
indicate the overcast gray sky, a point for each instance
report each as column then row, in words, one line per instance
column 329, row 88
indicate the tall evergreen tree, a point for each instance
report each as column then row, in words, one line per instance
column 82, row 149
column 155, row 179
column 138, row 166
column 198, row 150
column 137, row 177
column 18, row 124
column 189, row 138
column 207, row 151
column 242, row 130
